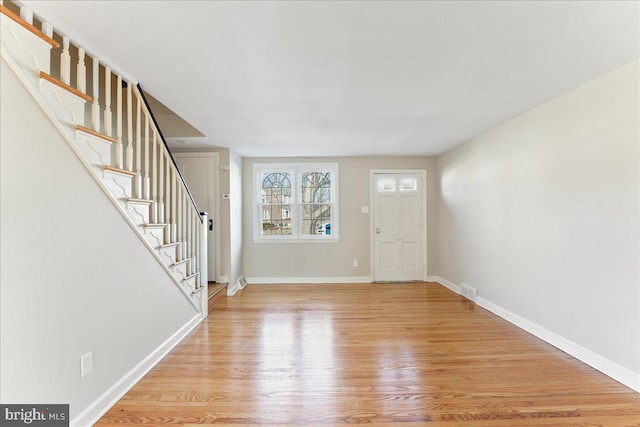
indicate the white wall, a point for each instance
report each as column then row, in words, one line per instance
column 541, row 215
column 74, row 275
column 328, row 260
column 235, row 219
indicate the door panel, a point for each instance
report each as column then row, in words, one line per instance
column 398, row 221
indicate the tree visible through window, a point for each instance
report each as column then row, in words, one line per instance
column 296, row 201
column 276, row 200
column 316, row 206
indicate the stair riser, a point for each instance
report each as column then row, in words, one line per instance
column 118, row 185
column 68, row 107
column 168, row 255
column 96, row 150
column 139, row 213
column 179, row 271
column 30, row 51
column 155, row 236
column 190, row 286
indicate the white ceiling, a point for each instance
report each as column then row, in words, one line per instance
column 351, row 78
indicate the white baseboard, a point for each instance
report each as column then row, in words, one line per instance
column 444, row 282
column 223, row 279
column 305, row 280
column 101, row 405
column 602, row 364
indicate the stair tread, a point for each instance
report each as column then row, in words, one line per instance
column 96, row 134
column 168, row 245
column 118, row 170
column 64, row 86
column 142, row 201
column 182, row 261
column 191, row 276
column 154, row 225
column 5, row 11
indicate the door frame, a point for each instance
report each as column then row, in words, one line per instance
column 372, row 173
column 216, row 202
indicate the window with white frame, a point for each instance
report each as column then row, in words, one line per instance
column 296, row 201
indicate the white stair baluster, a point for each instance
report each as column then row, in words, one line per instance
column 81, row 72
column 154, row 178
column 146, row 156
column 119, row 151
column 161, row 218
column 47, row 29
column 138, row 147
column 129, row 152
column 195, row 241
column 202, row 258
column 95, row 107
column 107, row 102
column 65, row 62
column 187, row 209
column 167, row 192
column 174, row 207
column 185, row 222
column 179, row 217
column 26, row 15
column 189, row 219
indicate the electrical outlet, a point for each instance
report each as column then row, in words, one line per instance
column 364, row 209
column 86, row 364
column 355, row 262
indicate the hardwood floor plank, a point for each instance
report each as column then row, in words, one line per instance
column 384, row 354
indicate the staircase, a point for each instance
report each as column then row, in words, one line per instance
column 120, row 144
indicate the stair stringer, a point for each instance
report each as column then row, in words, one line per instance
column 64, row 130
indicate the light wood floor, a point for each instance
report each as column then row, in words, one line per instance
column 384, row 354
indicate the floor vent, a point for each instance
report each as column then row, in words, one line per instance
column 469, row 292
column 242, row 281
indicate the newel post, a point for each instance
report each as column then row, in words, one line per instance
column 204, row 274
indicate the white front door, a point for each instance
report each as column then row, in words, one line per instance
column 199, row 172
column 398, row 227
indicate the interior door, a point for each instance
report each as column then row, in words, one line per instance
column 398, row 227
column 198, row 171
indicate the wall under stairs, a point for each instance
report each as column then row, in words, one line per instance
column 75, row 278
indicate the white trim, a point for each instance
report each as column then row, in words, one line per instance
column 447, row 284
column 423, row 173
column 305, row 280
column 92, row 413
column 216, row 204
column 619, row 373
column 223, row 279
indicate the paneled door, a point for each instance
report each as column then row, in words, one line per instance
column 199, row 172
column 398, row 227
